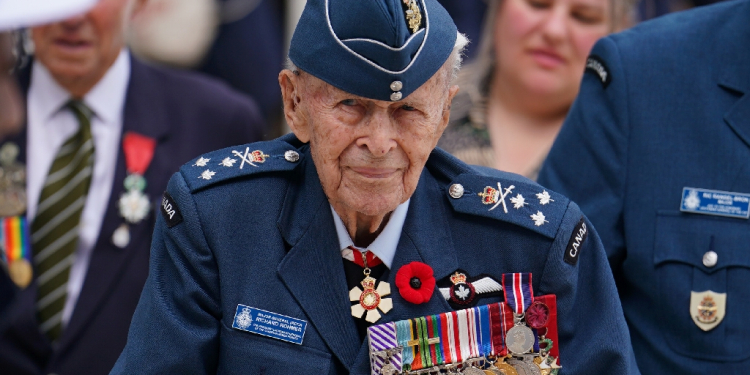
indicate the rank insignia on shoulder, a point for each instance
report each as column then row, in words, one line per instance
column 462, row 291
column 596, row 65
column 228, row 163
column 523, row 202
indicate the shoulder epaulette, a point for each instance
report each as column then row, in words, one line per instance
column 238, row 161
column 509, row 198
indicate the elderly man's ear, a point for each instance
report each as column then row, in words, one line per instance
column 290, row 83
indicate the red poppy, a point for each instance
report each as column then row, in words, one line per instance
column 415, row 282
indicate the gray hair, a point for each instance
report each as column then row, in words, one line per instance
column 456, row 58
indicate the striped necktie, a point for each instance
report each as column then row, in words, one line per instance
column 56, row 224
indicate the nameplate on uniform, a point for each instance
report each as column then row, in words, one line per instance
column 715, row 202
column 269, row 324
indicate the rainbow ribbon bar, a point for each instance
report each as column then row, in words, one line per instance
column 434, row 340
column 14, row 239
column 519, row 294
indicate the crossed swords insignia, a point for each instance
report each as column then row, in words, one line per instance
column 250, row 157
column 497, row 197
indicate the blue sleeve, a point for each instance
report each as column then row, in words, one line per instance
column 175, row 328
column 592, row 332
column 587, row 162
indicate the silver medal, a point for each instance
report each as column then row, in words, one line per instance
column 525, row 366
column 520, row 339
column 388, row 369
column 473, row 371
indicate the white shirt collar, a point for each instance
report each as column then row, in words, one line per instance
column 106, row 99
column 384, row 246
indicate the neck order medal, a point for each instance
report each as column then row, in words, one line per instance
column 370, row 299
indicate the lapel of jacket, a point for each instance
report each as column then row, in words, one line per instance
column 734, row 75
column 425, row 238
column 144, row 113
column 313, row 269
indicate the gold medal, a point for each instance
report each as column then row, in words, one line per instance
column 502, row 368
column 20, row 272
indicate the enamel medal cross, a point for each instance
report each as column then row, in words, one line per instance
column 370, row 299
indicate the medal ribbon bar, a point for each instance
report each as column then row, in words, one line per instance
column 519, row 294
column 14, row 237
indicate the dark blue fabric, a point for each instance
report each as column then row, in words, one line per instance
column 316, row 49
column 186, row 114
column 676, row 114
column 266, row 239
column 468, row 16
column 249, row 53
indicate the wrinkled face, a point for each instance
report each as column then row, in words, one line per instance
column 369, row 153
column 543, row 44
column 85, row 46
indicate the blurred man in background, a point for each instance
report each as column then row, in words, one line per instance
column 103, row 134
column 13, row 14
column 656, row 151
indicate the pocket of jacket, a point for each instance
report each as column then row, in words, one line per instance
column 681, row 241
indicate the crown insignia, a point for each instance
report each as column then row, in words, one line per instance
column 458, row 278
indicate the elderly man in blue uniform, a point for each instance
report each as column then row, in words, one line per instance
column 656, row 151
column 262, row 251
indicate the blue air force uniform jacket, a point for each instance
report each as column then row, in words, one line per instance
column 666, row 106
column 262, row 235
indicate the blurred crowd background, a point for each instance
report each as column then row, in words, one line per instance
column 244, row 42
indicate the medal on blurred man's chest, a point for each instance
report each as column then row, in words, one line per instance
column 12, row 182
column 134, row 205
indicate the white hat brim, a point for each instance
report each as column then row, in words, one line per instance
column 23, row 13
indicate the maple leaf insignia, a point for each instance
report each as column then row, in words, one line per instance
column 518, row 201
column 202, row 162
column 539, row 218
column 544, row 198
column 462, row 292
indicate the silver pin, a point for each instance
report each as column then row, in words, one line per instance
column 396, row 96
column 456, row 191
column 396, row 85
column 121, row 236
column 291, row 156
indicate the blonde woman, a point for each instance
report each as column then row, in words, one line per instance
column 516, row 94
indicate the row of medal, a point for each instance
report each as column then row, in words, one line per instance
column 516, row 337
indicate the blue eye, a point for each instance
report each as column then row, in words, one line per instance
column 408, row 108
column 349, row 102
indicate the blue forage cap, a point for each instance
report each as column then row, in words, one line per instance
column 378, row 49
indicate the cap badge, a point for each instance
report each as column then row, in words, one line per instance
column 413, row 15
